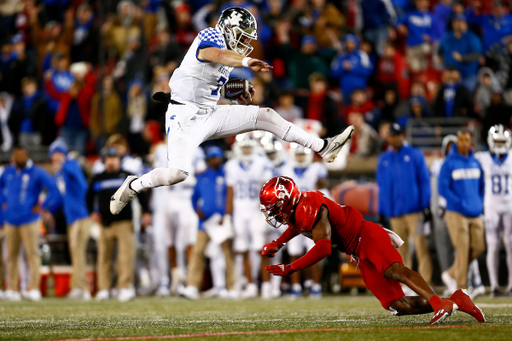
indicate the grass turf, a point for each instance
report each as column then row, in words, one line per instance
column 61, row 319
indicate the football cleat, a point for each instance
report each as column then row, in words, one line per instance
column 122, row 196
column 446, row 310
column 334, row 144
column 464, row 304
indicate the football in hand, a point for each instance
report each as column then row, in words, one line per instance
column 235, row 88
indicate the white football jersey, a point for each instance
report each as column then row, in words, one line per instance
column 307, row 178
column 284, row 169
column 197, row 81
column 498, row 182
column 246, row 180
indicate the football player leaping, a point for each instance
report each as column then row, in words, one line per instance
column 332, row 225
column 497, row 167
column 193, row 115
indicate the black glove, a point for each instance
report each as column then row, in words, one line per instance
column 427, row 215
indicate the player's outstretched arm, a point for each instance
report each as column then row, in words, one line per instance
column 230, row 58
column 321, row 234
column 272, row 248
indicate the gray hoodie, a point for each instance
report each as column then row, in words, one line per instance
column 483, row 92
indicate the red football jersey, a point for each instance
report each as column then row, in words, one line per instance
column 346, row 222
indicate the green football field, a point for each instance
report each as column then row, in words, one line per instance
column 331, row 318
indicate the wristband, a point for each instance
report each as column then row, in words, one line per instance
column 245, row 61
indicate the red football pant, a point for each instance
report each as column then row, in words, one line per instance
column 376, row 254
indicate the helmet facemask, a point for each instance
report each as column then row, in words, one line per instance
column 241, row 42
column 274, row 215
column 499, row 140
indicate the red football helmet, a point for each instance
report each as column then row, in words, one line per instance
column 278, row 198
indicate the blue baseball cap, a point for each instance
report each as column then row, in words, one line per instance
column 59, row 145
column 308, row 39
column 214, row 152
column 460, row 17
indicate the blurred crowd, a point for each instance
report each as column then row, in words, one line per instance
column 84, row 70
column 77, row 76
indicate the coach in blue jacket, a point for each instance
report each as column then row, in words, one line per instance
column 461, row 183
column 73, row 186
column 21, row 184
column 404, row 196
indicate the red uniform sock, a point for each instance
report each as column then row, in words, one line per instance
column 436, row 302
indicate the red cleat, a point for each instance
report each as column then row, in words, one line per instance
column 446, row 310
column 463, row 301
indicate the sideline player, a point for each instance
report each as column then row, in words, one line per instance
column 193, row 115
column 308, row 176
column 332, row 225
column 497, row 167
column 244, row 176
column 174, row 224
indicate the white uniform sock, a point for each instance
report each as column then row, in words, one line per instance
column 270, row 120
column 158, row 177
column 493, row 250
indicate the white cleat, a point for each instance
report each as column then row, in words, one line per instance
column 33, row 295
column 11, row 295
column 122, row 196
column 190, row 292
column 449, row 282
column 126, row 294
column 251, row 291
column 79, row 294
column 334, row 144
column 103, row 295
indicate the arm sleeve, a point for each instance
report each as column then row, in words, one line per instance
column 195, row 196
column 89, row 198
column 423, row 180
column 472, row 18
column 481, row 184
column 74, row 171
column 364, row 67
column 287, row 235
column 318, row 252
column 144, row 201
column 2, row 199
column 53, row 198
column 443, row 184
column 380, row 185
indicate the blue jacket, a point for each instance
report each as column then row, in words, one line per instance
column 357, row 76
column 404, row 182
column 493, row 28
column 210, row 193
column 375, row 14
column 468, row 43
column 73, row 188
column 461, row 183
column 20, row 193
column 441, row 15
column 418, row 24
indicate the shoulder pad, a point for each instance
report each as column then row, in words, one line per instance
column 306, row 213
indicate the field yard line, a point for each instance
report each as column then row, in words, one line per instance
column 254, row 332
